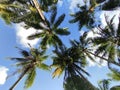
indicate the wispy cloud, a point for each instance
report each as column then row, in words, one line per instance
column 110, row 14
column 22, row 35
column 101, row 17
column 73, row 4
column 3, row 74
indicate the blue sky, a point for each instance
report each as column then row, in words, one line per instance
column 15, row 35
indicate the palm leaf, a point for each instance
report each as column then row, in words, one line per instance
column 58, row 71
column 112, row 52
column 53, row 15
column 59, row 20
column 100, row 1
column 18, row 59
column 30, row 78
column 43, row 58
column 118, row 30
column 57, row 40
column 43, row 66
column 80, row 69
column 62, row 31
column 36, row 35
column 110, row 4
column 44, row 42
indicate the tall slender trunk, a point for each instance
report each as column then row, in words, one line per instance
column 37, row 5
column 21, row 76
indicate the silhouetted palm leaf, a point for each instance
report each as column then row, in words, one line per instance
column 111, row 4
column 30, row 78
column 59, row 20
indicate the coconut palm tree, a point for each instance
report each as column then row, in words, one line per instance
column 83, row 46
column 69, row 61
column 85, row 16
column 108, row 42
column 50, row 31
column 27, row 65
column 20, row 11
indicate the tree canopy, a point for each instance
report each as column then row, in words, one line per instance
column 71, row 60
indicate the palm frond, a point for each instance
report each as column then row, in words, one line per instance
column 18, row 59
column 80, row 69
column 59, row 20
column 110, row 4
column 36, row 35
column 62, row 31
column 100, row 1
column 43, row 66
column 57, row 41
column 44, row 42
column 58, row 71
column 112, row 52
column 43, row 58
column 30, row 78
column 118, row 30
column 74, row 43
column 53, row 15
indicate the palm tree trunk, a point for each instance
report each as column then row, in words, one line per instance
column 115, row 63
column 21, row 76
column 37, row 5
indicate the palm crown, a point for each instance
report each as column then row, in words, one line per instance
column 28, row 63
column 84, row 17
column 70, row 61
column 50, row 31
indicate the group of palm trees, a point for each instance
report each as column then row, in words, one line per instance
column 68, row 60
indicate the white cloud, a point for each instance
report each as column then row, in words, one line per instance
column 3, row 74
column 110, row 14
column 60, row 3
column 73, row 4
column 98, row 62
column 22, row 35
column 101, row 16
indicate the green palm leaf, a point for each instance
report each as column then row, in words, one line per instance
column 53, row 15
column 59, row 20
column 30, row 78
column 58, row 40
column 62, row 31
column 43, row 66
column 44, row 42
column 36, row 35
column 19, row 59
